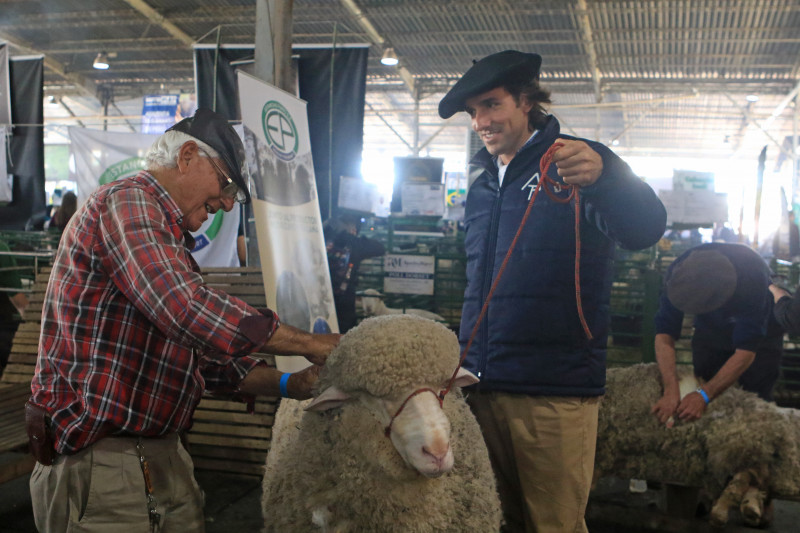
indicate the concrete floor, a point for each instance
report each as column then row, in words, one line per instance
column 233, row 506
column 613, row 508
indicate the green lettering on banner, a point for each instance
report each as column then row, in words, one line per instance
column 123, row 169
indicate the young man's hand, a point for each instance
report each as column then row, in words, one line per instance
column 577, row 163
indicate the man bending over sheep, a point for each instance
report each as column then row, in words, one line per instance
column 541, row 367
column 736, row 338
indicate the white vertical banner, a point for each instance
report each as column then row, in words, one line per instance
column 5, row 93
column 102, row 157
column 288, row 223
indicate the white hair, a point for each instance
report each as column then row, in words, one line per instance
column 164, row 151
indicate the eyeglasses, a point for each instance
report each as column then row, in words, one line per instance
column 229, row 188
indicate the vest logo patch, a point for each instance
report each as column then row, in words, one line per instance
column 531, row 185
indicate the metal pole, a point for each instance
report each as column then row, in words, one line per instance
column 795, row 155
column 330, row 125
column 416, row 122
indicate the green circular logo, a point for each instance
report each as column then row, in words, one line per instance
column 280, row 131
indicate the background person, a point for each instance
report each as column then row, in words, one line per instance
column 346, row 249
column 64, row 212
column 537, row 402
column 131, row 337
column 736, row 338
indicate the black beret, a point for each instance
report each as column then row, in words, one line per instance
column 702, row 282
column 214, row 130
column 509, row 66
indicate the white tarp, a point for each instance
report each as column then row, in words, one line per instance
column 288, row 223
column 102, row 157
column 5, row 93
column 5, row 121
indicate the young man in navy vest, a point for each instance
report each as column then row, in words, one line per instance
column 541, row 369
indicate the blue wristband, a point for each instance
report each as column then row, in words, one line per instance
column 704, row 394
column 284, row 381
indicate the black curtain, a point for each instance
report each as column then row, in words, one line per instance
column 339, row 152
column 227, row 101
column 335, row 121
column 26, row 145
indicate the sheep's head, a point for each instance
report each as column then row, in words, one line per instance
column 380, row 364
column 370, row 302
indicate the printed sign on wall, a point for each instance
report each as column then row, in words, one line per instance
column 408, row 274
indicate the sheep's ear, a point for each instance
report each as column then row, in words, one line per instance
column 465, row 378
column 330, row 398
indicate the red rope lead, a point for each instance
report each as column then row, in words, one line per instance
column 544, row 164
column 544, row 182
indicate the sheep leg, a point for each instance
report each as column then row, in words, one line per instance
column 752, row 507
column 753, row 502
column 730, row 498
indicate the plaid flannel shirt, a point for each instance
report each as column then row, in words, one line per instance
column 131, row 336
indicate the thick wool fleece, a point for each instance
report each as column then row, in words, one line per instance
column 388, row 354
column 338, row 465
column 737, row 431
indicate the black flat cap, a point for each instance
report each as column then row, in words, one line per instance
column 509, row 66
column 702, row 282
column 214, row 130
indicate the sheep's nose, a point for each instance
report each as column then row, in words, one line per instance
column 437, row 452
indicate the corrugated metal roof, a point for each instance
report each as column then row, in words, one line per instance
column 657, row 76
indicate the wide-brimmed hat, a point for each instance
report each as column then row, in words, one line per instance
column 214, row 130
column 702, row 282
column 509, row 66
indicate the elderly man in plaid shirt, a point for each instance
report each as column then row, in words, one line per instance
column 131, row 337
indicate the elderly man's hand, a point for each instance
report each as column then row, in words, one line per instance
column 577, row 163
column 320, row 347
column 300, row 384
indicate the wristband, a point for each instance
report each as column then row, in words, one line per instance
column 704, row 394
column 284, row 381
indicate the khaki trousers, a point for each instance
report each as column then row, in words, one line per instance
column 542, row 452
column 101, row 489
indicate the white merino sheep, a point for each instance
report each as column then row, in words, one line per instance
column 372, row 304
column 332, row 467
column 742, row 443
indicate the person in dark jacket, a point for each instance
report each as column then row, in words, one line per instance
column 541, row 370
column 786, row 310
column 736, row 338
column 346, row 249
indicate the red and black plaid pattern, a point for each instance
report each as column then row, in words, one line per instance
column 131, row 336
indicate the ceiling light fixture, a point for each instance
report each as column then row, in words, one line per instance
column 389, row 58
column 751, row 98
column 101, row 61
